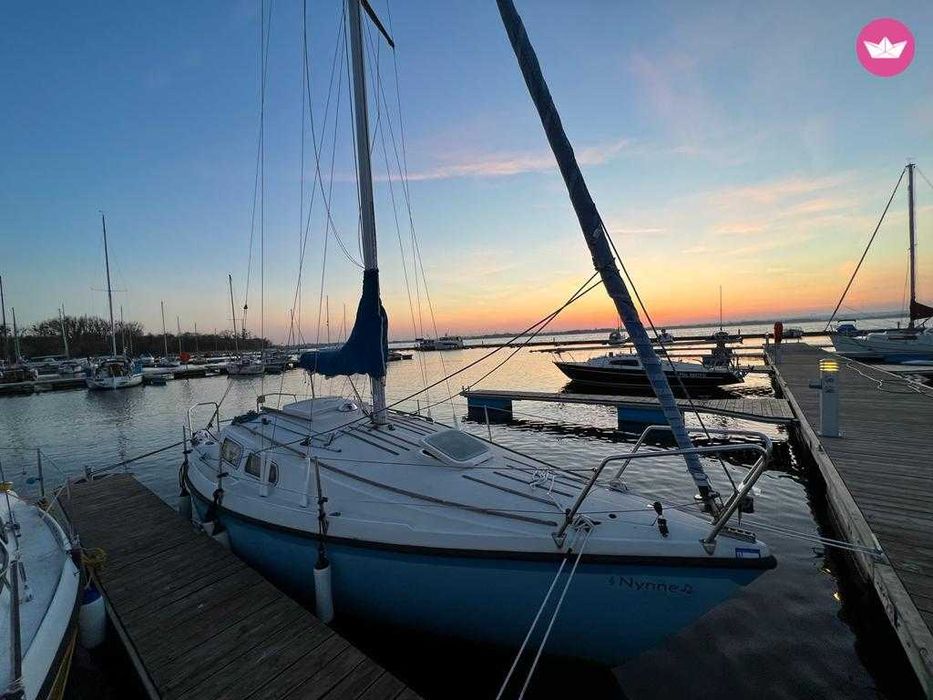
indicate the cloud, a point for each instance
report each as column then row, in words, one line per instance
column 491, row 165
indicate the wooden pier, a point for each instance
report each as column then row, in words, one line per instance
column 497, row 403
column 879, row 482
column 199, row 623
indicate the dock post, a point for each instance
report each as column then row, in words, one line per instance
column 829, row 397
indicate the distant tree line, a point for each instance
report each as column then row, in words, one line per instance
column 90, row 335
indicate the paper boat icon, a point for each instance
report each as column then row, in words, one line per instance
column 884, row 49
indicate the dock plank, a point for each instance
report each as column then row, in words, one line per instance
column 768, row 410
column 200, row 623
column 879, row 481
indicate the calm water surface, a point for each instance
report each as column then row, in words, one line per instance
column 801, row 630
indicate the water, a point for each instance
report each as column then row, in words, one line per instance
column 802, row 630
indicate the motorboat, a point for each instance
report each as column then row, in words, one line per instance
column 625, row 370
column 146, row 360
column 445, row 342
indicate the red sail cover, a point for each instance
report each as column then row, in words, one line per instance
column 919, row 311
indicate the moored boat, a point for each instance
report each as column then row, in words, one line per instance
column 624, row 370
column 38, row 603
column 419, row 525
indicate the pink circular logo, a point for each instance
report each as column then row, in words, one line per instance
column 885, row 47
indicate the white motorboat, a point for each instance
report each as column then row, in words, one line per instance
column 445, row 342
column 245, row 367
column 616, row 337
column 397, row 519
column 39, row 599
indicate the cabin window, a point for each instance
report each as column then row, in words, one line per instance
column 254, row 466
column 273, row 473
column 230, row 452
column 625, row 363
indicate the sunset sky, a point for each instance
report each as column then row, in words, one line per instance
column 728, row 143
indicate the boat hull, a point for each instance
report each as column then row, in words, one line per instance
column 613, row 611
column 602, row 377
column 884, row 349
column 110, row 383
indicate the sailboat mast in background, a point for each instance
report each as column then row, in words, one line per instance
column 113, row 333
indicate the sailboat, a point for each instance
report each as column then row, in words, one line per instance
column 39, row 598
column 420, row 525
column 245, row 365
column 116, row 371
column 913, row 344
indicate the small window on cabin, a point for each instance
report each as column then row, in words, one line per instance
column 231, row 452
column 254, row 465
column 273, row 473
column 625, row 363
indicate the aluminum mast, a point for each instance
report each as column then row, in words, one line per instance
column 595, row 234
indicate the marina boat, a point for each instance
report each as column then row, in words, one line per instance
column 848, row 329
column 914, row 343
column 146, row 360
column 665, row 338
column 395, row 518
column 793, row 333
column 245, row 367
column 18, row 373
column 616, row 337
column 396, row 356
column 445, row 342
column 70, row 368
column 625, row 370
column 41, row 588
column 116, row 371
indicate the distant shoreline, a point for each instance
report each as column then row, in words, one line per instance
column 707, row 324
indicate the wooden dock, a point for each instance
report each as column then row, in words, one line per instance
column 498, row 403
column 879, row 482
column 198, row 622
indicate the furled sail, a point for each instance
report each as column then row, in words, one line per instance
column 367, row 349
column 595, row 234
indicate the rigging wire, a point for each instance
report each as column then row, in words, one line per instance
column 865, row 252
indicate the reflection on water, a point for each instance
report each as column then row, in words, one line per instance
column 786, row 635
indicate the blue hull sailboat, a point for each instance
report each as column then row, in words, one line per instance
column 393, row 517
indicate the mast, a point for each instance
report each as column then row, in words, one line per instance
column 912, row 244
column 178, row 326
column 113, row 333
column 236, row 348
column 594, row 232
column 367, row 212
column 3, row 329
column 16, row 350
column 122, row 330
column 164, row 336
column 61, row 320
column 720, row 307
column 196, row 338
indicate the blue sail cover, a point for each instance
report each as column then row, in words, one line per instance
column 367, row 349
column 595, row 234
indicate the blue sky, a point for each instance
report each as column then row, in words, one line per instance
column 726, row 143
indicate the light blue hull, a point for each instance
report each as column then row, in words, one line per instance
column 611, row 612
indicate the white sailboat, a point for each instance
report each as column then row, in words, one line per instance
column 40, row 590
column 245, row 365
column 911, row 344
column 427, row 527
column 116, row 371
